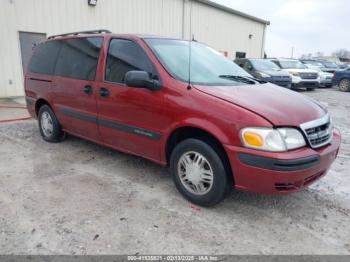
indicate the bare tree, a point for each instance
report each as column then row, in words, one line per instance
column 306, row 56
column 341, row 53
column 319, row 54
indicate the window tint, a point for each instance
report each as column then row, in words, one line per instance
column 44, row 58
column 248, row 66
column 124, row 56
column 78, row 58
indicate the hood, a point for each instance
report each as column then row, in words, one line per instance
column 280, row 106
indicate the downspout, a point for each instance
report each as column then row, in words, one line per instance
column 183, row 19
column 263, row 42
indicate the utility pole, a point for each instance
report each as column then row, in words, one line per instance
column 292, row 52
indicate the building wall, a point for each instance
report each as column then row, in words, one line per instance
column 219, row 29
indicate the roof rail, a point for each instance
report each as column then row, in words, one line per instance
column 98, row 31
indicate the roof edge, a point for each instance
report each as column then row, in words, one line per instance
column 233, row 11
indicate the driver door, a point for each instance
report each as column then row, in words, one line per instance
column 129, row 118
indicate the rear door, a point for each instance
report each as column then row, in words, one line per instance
column 75, row 88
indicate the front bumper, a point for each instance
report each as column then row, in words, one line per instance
column 300, row 82
column 326, row 82
column 284, row 82
column 280, row 173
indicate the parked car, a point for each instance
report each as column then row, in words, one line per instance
column 344, row 66
column 208, row 120
column 265, row 70
column 328, row 66
column 325, row 77
column 301, row 75
column 341, row 78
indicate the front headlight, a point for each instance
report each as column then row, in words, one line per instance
column 274, row 140
column 293, row 73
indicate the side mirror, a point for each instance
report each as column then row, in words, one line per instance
column 141, row 79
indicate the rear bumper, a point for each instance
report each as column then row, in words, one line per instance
column 326, row 83
column 280, row 173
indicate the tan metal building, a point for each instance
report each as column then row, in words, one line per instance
column 23, row 23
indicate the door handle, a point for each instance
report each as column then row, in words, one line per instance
column 87, row 89
column 104, row 92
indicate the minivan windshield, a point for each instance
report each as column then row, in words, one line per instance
column 291, row 64
column 264, row 65
column 208, row 67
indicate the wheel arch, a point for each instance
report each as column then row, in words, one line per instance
column 184, row 132
column 39, row 103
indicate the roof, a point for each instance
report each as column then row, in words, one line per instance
column 233, row 11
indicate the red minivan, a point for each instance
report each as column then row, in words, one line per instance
column 180, row 104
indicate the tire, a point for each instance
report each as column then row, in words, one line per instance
column 50, row 128
column 183, row 161
column 344, row 85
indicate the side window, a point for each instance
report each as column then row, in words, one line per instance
column 248, row 66
column 44, row 58
column 124, row 56
column 276, row 62
column 79, row 57
column 240, row 63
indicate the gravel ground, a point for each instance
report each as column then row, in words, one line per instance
column 80, row 198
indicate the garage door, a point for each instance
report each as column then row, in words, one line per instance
column 28, row 41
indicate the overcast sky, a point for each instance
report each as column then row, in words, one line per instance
column 307, row 25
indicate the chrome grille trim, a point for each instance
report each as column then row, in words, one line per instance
column 318, row 132
column 308, row 75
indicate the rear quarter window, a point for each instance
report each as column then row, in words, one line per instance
column 44, row 58
column 78, row 58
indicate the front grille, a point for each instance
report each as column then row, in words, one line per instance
column 318, row 132
column 308, row 75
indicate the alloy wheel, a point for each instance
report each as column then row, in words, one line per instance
column 195, row 173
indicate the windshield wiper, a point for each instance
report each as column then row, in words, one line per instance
column 243, row 79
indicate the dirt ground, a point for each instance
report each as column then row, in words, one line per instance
column 76, row 197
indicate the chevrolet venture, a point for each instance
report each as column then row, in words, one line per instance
column 180, row 104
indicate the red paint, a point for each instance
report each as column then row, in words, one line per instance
column 15, row 119
column 220, row 111
column 16, row 107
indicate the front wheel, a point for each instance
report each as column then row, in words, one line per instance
column 199, row 172
column 344, row 85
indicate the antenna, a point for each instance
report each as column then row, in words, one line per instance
column 190, row 49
